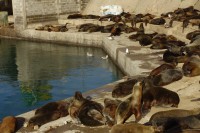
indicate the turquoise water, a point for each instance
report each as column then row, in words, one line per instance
column 33, row 74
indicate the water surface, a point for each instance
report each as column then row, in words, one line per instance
column 33, row 74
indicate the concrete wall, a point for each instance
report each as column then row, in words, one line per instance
column 31, row 11
column 141, row 6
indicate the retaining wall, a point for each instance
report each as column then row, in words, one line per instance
column 155, row 7
column 31, row 11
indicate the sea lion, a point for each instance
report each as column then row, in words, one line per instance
column 191, row 67
column 167, row 76
column 133, row 128
column 41, row 119
column 192, row 50
column 90, row 16
column 115, row 31
column 141, row 29
column 170, row 57
column 131, row 105
column 159, row 41
column 156, row 95
column 110, row 107
column 124, row 88
column 176, row 118
column 49, row 112
column 144, row 39
column 174, row 113
column 53, row 106
column 163, row 67
column 75, row 16
column 8, row 124
column 193, row 34
column 158, row 21
column 90, row 113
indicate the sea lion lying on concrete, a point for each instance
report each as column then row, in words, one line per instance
column 74, row 16
column 157, row 21
column 156, row 95
column 191, row 67
column 169, row 56
column 131, row 105
column 162, row 68
column 90, row 113
column 49, row 112
column 133, row 128
column 191, row 35
column 124, row 88
column 174, row 113
column 166, row 77
column 192, row 50
column 175, row 118
column 8, row 125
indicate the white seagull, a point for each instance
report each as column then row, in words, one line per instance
column 127, row 51
column 111, row 38
column 89, row 54
column 104, row 57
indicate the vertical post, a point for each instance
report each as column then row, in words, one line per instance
column 19, row 14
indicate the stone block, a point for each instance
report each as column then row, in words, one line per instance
column 3, row 18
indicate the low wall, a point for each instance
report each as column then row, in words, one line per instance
column 141, row 6
column 31, row 11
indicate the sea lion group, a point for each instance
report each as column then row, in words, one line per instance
column 141, row 93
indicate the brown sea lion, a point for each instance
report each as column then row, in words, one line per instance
column 141, row 29
column 167, row 76
column 115, row 31
column 192, row 34
column 90, row 16
column 157, row 21
column 159, row 41
column 8, row 125
column 124, row 88
column 74, row 16
column 191, row 67
column 133, row 128
column 163, row 67
column 90, row 113
column 192, row 50
column 172, row 119
column 110, row 107
column 41, row 119
column 53, row 106
column 144, row 39
column 131, row 105
column 49, row 112
column 156, row 95
column 170, row 57
column 174, row 113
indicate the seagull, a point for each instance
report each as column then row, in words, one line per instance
column 127, row 51
column 170, row 16
column 104, row 57
column 166, row 25
column 89, row 54
column 111, row 38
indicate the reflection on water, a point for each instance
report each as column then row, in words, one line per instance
column 33, row 74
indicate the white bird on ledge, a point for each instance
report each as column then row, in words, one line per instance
column 127, row 51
